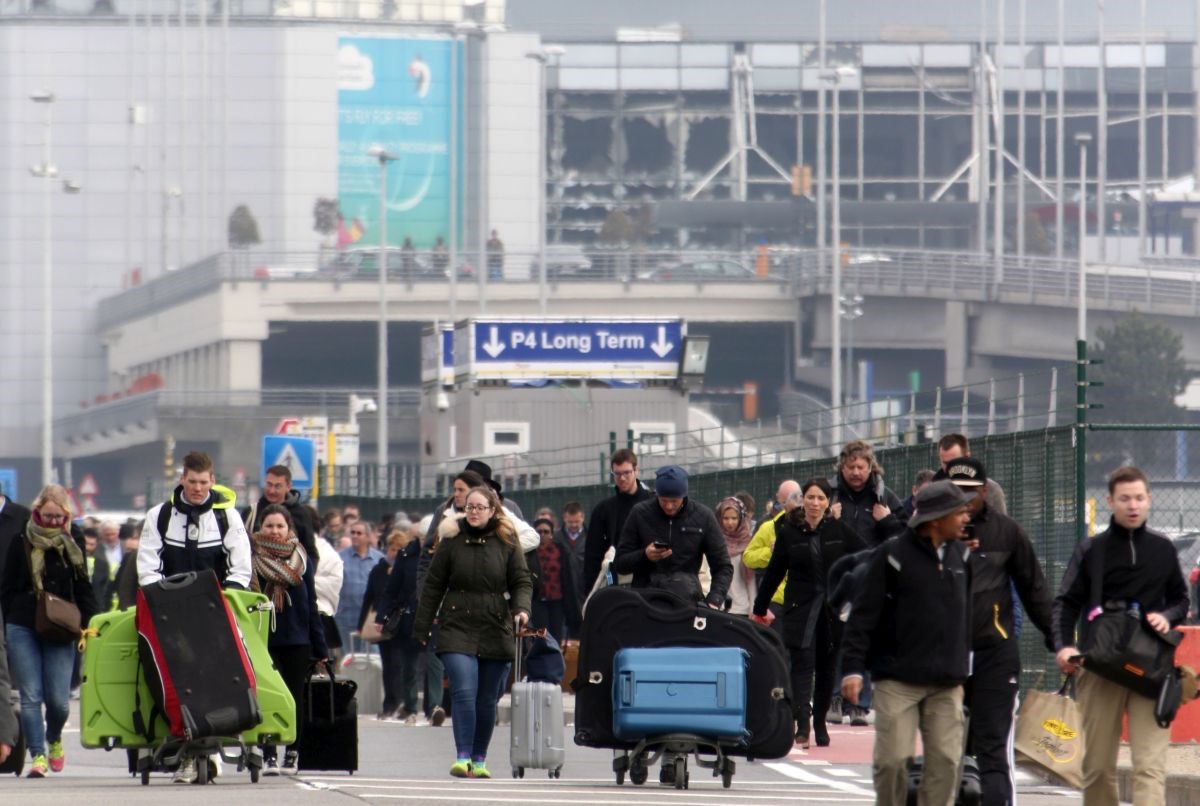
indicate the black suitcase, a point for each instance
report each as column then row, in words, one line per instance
column 193, row 658
column 329, row 725
column 619, row 617
column 970, row 782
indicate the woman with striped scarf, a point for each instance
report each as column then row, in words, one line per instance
column 284, row 571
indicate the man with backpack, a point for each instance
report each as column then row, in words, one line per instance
column 1127, row 567
column 910, row 627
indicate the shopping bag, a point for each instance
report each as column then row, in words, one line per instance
column 1050, row 733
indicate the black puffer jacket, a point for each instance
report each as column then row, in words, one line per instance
column 911, row 620
column 692, row 534
column 604, row 530
column 857, row 506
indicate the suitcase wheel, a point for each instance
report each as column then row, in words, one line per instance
column 638, row 772
column 554, row 773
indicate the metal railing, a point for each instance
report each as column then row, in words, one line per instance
column 941, row 274
column 396, row 11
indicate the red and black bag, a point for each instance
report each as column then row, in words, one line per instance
column 195, row 663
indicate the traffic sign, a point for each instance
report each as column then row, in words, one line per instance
column 88, row 487
column 297, row 454
column 286, row 424
column 343, row 439
column 623, row 349
column 316, row 429
column 8, row 482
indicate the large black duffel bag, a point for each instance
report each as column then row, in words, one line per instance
column 619, row 617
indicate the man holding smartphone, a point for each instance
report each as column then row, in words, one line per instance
column 662, row 544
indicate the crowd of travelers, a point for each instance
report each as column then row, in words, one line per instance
column 901, row 613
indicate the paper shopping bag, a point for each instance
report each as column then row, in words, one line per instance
column 1050, row 734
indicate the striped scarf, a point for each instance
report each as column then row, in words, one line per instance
column 278, row 565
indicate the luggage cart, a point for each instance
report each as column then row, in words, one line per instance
column 637, row 762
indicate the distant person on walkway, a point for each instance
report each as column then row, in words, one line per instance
column 495, row 257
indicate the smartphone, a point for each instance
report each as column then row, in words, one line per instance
column 662, row 544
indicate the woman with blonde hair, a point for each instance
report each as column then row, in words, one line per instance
column 49, row 559
column 476, row 586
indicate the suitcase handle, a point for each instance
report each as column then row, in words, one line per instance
column 176, row 581
column 516, row 649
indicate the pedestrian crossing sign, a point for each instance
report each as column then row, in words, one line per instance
column 297, row 454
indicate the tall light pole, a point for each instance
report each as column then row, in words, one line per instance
column 542, row 57
column 834, row 78
column 1081, row 382
column 47, row 171
column 1082, row 139
column 850, row 309
column 384, row 157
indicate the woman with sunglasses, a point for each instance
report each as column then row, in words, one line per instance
column 48, row 559
column 477, row 584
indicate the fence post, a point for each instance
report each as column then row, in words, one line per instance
column 1052, row 414
column 612, row 442
column 912, row 417
column 1020, row 402
column 991, row 427
column 629, row 438
column 937, row 413
column 1080, row 438
column 966, row 402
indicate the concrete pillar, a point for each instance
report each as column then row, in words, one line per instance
column 243, row 367
column 958, row 351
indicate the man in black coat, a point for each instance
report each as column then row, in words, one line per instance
column 910, row 626
column 13, row 517
column 277, row 489
column 1002, row 558
column 608, row 517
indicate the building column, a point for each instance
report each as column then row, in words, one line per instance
column 958, row 350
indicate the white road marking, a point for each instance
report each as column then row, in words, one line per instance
column 800, row 774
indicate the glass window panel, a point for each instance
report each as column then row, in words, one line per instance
column 1130, row 55
column 646, row 79
column 947, row 55
column 775, row 55
column 704, row 55
column 590, row 56
column 776, row 78
column 588, row 78
column 1073, row 56
column 704, row 78
column 890, row 55
column 650, row 55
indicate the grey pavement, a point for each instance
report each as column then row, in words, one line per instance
column 402, row 764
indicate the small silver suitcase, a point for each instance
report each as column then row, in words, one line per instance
column 366, row 669
column 537, row 733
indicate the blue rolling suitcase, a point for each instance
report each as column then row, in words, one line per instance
column 680, row 690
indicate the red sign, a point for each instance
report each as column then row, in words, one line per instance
column 286, row 424
column 88, row 488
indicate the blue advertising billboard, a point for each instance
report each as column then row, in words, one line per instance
column 397, row 93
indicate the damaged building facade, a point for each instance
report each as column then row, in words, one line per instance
column 652, row 106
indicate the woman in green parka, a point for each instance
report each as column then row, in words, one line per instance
column 477, row 584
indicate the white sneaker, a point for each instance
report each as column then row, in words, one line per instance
column 186, row 774
column 410, row 720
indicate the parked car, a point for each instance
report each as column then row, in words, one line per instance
column 567, row 261
column 400, row 265
column 700, row 269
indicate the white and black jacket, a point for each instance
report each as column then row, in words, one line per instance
column 163, row 555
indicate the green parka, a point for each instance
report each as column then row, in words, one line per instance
column 479, row 582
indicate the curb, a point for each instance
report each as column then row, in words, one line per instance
column 1182, row 790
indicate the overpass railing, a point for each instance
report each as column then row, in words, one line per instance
column 1153, row 287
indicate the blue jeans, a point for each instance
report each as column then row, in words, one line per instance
column 42, row 674
column 475, row 687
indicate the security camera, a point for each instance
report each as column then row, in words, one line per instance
column 370, row 406
column 443, row 401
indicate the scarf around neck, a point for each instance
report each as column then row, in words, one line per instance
column 278, row 566
column 737, row 540
column 51, row 538
column 192, row 512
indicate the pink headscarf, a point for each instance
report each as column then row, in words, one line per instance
column 737, row 540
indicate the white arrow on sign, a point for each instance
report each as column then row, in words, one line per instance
column 291, row 460
column 662, row 346
column 494, row 346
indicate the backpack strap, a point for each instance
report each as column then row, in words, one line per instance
column 164, row 519
column 223, row 522
column 1095, row 573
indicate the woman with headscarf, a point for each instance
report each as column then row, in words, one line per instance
column 808, row 541
column 48, row 559
column 735, row 526
column 284, row 572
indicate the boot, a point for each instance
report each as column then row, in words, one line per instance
column 803, row 715
column 820, row 731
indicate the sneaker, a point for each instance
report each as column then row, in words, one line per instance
column 858, row 717
column 410, row 720
column 835, row 711
column 461, row 768
column 58, row 756
column 438, row 717
column 479, row 770
column 270, row 766
column 186, row 774
column 40, row 767
column 289, row 762
column 666, row 774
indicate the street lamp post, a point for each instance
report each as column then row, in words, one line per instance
column 384, row 157
column 834, row 78
column 850, row 308
column 46, row 171
column 542, row 57
column 1082, row 139
column 1081, row 382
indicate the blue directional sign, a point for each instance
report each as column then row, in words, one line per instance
column 8, row 482
column 298, row 454
column 622, row 349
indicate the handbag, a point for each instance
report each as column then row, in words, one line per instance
column 371, row 632
column 56, row 619
column 1050, row 733
column 1121, row 646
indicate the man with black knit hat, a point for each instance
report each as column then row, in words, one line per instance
column 1002, row 558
